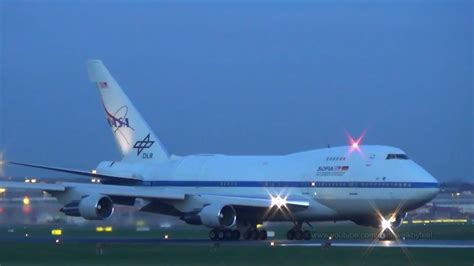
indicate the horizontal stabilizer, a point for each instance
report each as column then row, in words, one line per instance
column 110, row 190
column 34, row 186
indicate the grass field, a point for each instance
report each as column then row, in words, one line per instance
column 86, row 254
column 150, row 254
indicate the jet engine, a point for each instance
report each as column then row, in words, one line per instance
column 216, row 215
column 213, row 215
column 92, row 207
column 399, row 219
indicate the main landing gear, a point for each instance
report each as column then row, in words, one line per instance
column 227, row 234
column 255, row 234
column 296, row 233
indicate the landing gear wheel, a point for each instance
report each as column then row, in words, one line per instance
column 298, row 235
column 306, row 235
column 213, row 235
column 254, row 234
column 290, row 235
column 248, row 234
column 221, row 235
column 227, row 234
column 262, row 234
column 235, row 234
column 386, row 235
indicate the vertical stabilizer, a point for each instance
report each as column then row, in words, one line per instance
column 135, row 139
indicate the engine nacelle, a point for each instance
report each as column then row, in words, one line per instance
column 218, row 215
column 399, row 219
column 92, row 207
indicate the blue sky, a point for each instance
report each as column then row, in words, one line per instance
column 241, row 77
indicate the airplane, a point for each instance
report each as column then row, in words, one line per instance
column 370, row 185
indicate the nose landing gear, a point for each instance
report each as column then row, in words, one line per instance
column 386, row 234
column 387, row 228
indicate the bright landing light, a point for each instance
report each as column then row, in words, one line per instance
column 278, row 201
column 2, row 162
column 26, row 200
column 385, row 224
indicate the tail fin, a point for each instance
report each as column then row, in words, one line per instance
column 136, row 140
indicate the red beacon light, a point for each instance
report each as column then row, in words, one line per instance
column 354, row 143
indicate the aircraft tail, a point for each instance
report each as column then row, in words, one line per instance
column 135, row 139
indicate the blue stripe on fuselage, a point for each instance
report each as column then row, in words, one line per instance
column 326, row 184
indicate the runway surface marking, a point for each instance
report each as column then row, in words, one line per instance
column 279, row 243
column 391, row 244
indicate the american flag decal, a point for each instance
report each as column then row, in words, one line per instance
column 102, row 85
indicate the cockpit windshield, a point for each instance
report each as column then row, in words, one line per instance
column 393, row 156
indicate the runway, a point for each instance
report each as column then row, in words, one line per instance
column 388, row 244
column 205, row 242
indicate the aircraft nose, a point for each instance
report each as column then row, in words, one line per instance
column 429, row 186
column 432, row 187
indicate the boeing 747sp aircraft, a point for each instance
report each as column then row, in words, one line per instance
column 369, row 185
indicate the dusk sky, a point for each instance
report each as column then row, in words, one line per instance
column 240, row 77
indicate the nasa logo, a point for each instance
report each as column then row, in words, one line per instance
column 141, row 145
column 119, row 119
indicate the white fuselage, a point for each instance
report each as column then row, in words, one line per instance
column 340, row 183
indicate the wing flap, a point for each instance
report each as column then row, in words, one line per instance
column 290, row 202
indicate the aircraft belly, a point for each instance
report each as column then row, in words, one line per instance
column 368, row 201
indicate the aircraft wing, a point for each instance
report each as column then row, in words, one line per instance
column 147, row 192
column 150, row 192
column 110, row 190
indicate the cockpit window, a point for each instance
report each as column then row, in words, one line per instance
column 397, row 156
